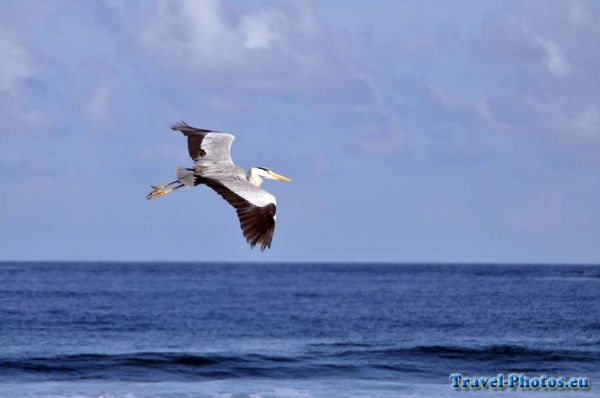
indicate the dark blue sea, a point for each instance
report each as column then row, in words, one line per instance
column 291, row 330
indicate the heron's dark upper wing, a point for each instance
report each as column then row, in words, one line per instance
column 206, row 147
column 255, row 208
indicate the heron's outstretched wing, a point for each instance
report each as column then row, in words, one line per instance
column 210, row 150
column 255, row 208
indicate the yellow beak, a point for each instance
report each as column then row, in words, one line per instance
column 280, row 177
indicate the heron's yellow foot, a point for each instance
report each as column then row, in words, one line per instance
column 158, row 192
column 163, row 186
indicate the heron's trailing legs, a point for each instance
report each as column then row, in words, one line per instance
column 161, row 190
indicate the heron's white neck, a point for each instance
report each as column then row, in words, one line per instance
column 254, row 177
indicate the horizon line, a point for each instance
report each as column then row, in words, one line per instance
column 329, row 262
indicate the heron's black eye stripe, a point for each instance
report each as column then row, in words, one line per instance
column 263, row 168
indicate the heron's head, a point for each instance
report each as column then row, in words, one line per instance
column 266, row 173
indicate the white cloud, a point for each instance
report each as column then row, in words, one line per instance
column 554, row 60
column 553, row 57
column 168, row 152
column 381, row 142
column 577, row 122
column 190, row 32
column 97, row 106
column 484, row 111
column 581, row 16
column 375, row 90
column 454, row 102
column 260, row 28
column 587, row 123
column 442, row 96
column 16, row 65
column 223, row 46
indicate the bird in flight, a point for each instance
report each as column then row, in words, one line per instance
column 211, row 153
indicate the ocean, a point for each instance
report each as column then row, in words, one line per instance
column 291, row 330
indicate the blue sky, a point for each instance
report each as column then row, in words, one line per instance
column 413, row 131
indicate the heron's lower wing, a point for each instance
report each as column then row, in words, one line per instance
column 255, row 208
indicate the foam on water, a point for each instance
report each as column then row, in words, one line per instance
column 259, row 389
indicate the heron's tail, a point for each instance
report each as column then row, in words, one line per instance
column 186, row 176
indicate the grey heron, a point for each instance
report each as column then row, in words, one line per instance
column 213, row 167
